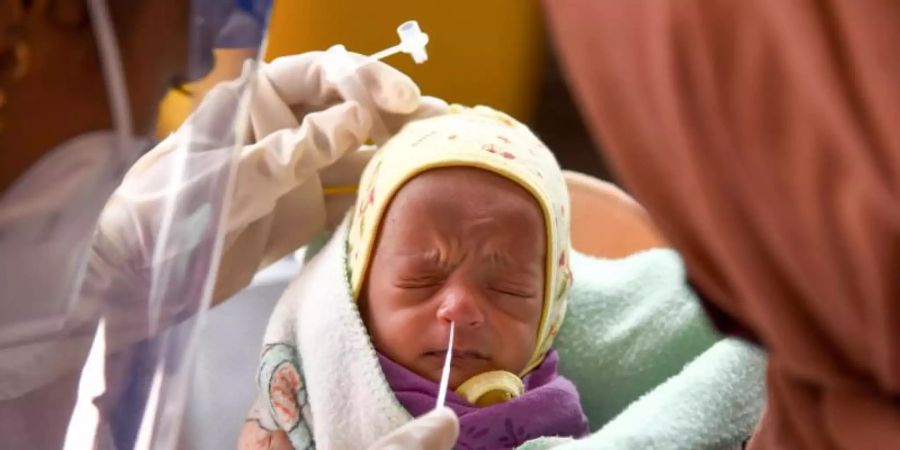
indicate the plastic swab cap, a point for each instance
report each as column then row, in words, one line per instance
column 413, row 41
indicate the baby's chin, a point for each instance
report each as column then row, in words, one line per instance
column 460, row 370
column 456, row 377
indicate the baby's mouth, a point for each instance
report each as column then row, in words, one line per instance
column 458, row 354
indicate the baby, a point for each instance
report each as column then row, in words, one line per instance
column 460, row 219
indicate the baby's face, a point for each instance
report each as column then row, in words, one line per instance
column 462, row 245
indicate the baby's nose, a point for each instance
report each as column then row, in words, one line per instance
column 462, row 304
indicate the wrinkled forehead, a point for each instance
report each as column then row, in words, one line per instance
column 468, row 187
column 465, row 202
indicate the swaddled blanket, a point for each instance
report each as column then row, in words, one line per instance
column 632, row 327
column 322, row 382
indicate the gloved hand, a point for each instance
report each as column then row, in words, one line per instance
column 301, row 142
column 299, row 177
column 300, row 83
column 436, row 430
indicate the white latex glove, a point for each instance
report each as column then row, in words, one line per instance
column 436, row 430
column 303, row 140
column 299, row 82
column 306, row 141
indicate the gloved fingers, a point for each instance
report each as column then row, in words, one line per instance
column 345, row 173
column 438, row 430
column 300, row 80
column 428, row 107
column 392, row 91
column 288, row 157
column 301, row 83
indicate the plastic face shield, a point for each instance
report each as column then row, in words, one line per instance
column 105, row 359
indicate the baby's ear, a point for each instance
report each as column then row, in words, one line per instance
column 607, row 222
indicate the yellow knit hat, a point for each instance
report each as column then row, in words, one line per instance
column 477, row 137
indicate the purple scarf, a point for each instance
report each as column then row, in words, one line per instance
column 549, row 407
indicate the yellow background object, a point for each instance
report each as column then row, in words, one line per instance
column 486, row 52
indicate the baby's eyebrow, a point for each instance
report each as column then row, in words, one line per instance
column 430, row 257
column 505, row 259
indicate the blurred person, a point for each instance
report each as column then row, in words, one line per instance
column 762, row 138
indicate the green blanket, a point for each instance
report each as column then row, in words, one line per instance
column 651, row 372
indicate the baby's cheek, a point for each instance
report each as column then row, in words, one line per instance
column 399, row 334
column 514, row 344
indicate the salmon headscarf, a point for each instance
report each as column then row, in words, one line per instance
column 763, row 137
